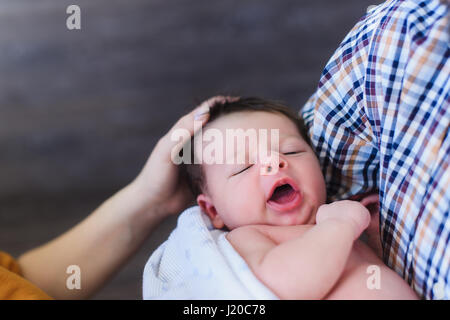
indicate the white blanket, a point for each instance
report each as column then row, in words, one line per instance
column 198, row 262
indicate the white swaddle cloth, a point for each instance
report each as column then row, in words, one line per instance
column 198, row 262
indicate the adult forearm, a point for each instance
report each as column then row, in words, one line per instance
column 101, row 243
column 99, row 246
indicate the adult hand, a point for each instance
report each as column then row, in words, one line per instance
column 105, row 240
column 160, row 185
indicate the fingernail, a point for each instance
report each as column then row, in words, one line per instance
column 232, row 99
column 201, row 112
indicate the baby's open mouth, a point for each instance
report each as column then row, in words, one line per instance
column 285, row 196
column 282, row 194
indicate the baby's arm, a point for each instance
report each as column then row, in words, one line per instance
column 308, row 265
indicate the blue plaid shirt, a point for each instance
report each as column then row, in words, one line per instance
column 379, row 120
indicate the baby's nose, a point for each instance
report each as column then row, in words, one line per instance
column 271, row 165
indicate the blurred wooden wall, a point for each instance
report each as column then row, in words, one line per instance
column 81, row 110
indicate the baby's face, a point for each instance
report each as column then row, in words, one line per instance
column 239, row 194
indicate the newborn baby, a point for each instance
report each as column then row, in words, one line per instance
column 274, row 209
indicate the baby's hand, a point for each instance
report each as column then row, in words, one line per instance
column 351, row 212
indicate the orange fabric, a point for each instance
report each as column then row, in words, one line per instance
column 13, row 286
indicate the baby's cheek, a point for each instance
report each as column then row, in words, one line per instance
column 242, row 208
column 317, row 182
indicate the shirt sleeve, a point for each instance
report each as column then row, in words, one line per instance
column 13, row 286
column 379, row 120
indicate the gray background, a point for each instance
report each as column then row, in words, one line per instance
column 81, row 110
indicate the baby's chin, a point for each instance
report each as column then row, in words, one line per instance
column 299, row 216
column 293, row 220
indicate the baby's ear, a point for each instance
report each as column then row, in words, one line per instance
column 207, row 206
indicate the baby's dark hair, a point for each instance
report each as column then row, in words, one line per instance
column 193, row 173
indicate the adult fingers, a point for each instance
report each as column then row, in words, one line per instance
column 200, row 113
column 188, row 125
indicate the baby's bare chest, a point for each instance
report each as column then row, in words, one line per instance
column 367, row 277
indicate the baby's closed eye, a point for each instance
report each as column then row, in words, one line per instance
column 242, row 170
column 292, row 152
